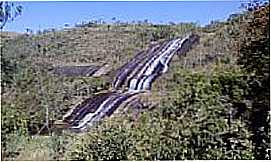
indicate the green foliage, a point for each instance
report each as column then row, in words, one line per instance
column 8, row 69
column 255, row 60
column 36, row 148
column 206, row 112
column 8, row 11
column 12, row 145
column 254, row 51
column 38, row 91
column 12, row 121
column 162, row 32
column 13, row 126
column 170, row 31
column 196, row 121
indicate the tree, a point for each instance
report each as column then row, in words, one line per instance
column 8, row 12
column 255, row 60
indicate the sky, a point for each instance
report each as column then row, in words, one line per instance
column 45, row 15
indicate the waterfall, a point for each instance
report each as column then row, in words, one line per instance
column 141, row 71
column 94, row 109
column 137, row 75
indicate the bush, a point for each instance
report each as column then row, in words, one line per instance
column 13, row 126
column 162, row 32
column 255, row 60
column 194, row 122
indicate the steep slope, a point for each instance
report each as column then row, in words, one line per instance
column 99, row 46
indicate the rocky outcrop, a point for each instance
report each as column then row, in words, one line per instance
column 137, row 75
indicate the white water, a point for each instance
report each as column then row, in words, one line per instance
column 155, row 66
column 89, row 117
column 166, row 55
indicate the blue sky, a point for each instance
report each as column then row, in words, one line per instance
column 44, row 15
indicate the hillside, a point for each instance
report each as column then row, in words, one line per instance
column 198, row 109
column 9, row 35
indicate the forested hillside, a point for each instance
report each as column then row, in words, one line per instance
column 212, row 103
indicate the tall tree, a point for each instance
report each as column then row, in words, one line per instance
column 8, row 12
column 255, row 60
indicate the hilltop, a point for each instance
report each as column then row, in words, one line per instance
column 9, row 35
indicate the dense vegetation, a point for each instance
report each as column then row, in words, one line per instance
column 212, row 104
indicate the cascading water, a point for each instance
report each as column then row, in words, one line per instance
column 138, row 75
column 140, row 72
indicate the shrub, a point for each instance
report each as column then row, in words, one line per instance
column 255, row 60
column 194, row 122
